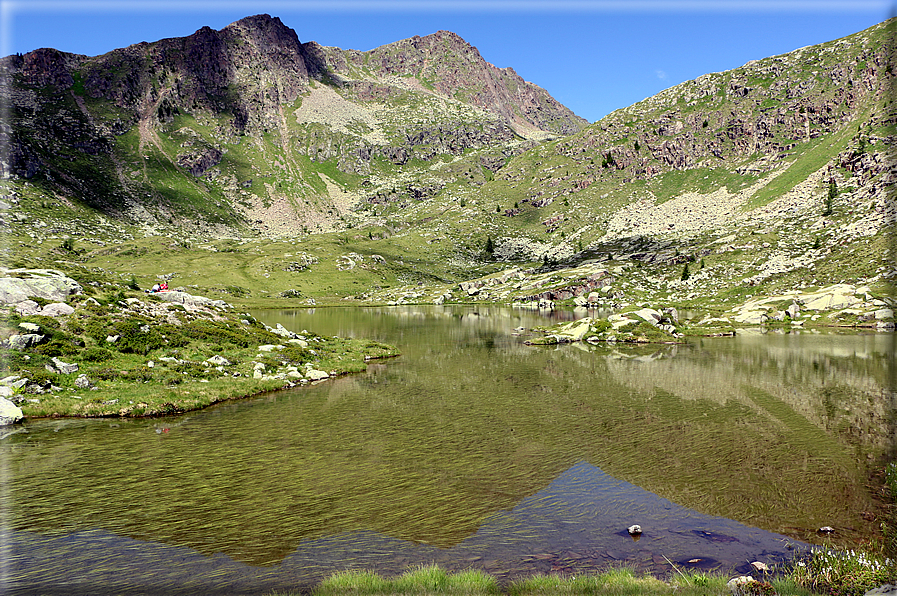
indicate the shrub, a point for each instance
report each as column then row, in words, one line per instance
column 55, row 348
column 136, row 338
column 842, row 573
column 99, row 327
column 44, row 377
column 74, row 327
column 96, row 354
column 46, row 323
column 41, row 302
column 296, row 354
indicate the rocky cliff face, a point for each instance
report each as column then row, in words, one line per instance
column 251, row 102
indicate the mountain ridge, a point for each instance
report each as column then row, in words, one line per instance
column 423, row 154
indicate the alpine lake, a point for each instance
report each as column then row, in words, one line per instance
column 470, row 450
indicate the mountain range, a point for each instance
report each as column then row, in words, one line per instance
column 394, row 175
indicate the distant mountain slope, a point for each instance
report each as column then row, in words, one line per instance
column 212, row 125
column 430, row 166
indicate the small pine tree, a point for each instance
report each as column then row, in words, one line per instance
column 702, row 263
column 490, row 247
column 637, row 146
column 832, row 193
column 685, row 273
column 498, row 208
column 816, row 243
column 68, row 244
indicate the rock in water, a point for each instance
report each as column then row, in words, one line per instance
column 634, row 530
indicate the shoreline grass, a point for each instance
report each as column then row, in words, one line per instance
column 432, row 579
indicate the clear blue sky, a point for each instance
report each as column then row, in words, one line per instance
column 594, row 56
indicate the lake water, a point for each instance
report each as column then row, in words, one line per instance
column 471, row 450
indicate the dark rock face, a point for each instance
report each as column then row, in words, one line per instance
column 249, row 68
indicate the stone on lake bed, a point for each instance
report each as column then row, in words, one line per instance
column 634, row 529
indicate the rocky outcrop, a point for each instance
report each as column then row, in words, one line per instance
column 10, row 413
column 190, row 301
column 42, row 283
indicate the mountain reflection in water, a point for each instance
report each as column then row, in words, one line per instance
column 576, row 524
column 469, row 450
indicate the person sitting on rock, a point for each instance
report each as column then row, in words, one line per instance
column 156, row 288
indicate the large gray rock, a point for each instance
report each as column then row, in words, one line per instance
column 24, row 341
column 57, row 309
column 27, row 307
column 316, row 375
column 189, row 300
column 64, row 367
column 44, row 283
column 883, row 590
column 649, row 315
column 10, row 413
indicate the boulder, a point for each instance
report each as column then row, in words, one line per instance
column 57, row 309
column 883, row 314
column 24, row 340
column 27, row 307
column 741, row 586
column 218, row 360
column 575, row 330
column 44, row 283
column 82, row 382
column 316, row 375
column 30, row 327
column 649, row 315
column 10, row 413
column 64, row 367
column 793, row 311
column 750, row 317
column 188, row 300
